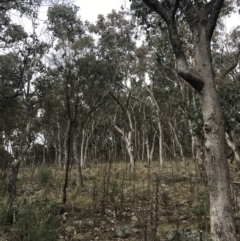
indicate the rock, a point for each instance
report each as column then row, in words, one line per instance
column 123, row 232
column 64, row 217
column 71, row 230
column 110, row 213
column 30, row 191
column 187, row 235
column 134, row 220
column 78, row 223
column 163, row 219
column 90, row 223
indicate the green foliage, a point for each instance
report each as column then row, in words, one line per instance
column 38, row 221
column 201, row 211
column 44, row 175
column 6, row 214
column 64, row 22
column 3, row 186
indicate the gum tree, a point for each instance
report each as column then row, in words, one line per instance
column 201, row 17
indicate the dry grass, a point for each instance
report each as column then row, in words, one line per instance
column 112, row 196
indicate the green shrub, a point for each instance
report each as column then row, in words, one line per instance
column 38, row 221
column 201, row 211
column 6, row 215
column 3, row 187
column 44, row 175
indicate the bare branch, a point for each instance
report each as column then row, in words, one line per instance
column 117, row 101
column 228, row 69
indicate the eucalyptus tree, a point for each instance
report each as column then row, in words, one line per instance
column 66, row 26
column 21, row 63
column 79, row 68
column 29, row 95
column 201, row 17
column 116, row 48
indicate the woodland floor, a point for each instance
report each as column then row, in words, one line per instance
column 114, row 203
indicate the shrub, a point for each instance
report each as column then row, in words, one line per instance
column 38, row 221
column 6, row 215
column 44, row 175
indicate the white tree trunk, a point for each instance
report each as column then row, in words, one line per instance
column 59, row 158
column 232, row 145
column 160, row 143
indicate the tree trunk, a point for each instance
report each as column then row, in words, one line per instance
column 143, row 144
column 59, row 147
column 233, row 147
column 77, row 160
column 67, row 160
column 221, row 214
column 82, row 161
column 12, row 184
column 65, row 146
column 129, row 147
column 160, row 143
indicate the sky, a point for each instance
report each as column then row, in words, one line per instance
column 89, row 9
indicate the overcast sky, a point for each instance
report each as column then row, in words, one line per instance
column 89, row 9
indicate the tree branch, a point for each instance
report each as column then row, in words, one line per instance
column 192, row 78
column 213, row 9
column 228, row 69
column 183, row 69
column 117, row 101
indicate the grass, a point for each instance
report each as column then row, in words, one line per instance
column 163, row 199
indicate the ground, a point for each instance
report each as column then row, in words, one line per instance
column 114, row 204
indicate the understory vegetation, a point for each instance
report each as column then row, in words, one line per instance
column 114, row 204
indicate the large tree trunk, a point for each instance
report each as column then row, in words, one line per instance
column 221, row 215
